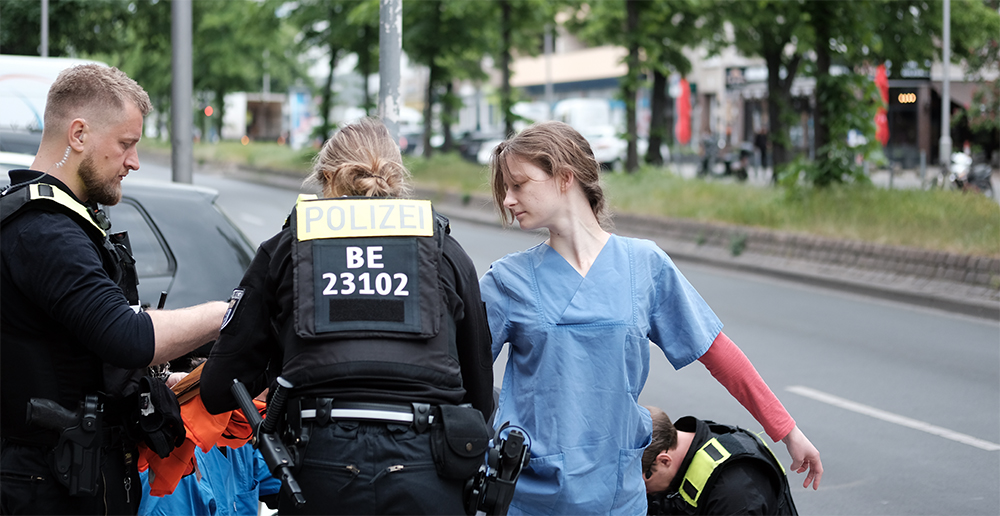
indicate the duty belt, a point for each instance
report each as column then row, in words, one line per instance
column 323, row 410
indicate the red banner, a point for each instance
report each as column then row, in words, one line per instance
column 881, row 116
column 682, row 128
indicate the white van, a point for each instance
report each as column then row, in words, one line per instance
column 24, row 86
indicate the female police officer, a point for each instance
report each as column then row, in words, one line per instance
column 371, row 311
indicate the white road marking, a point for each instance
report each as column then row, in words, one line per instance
column 893, row 418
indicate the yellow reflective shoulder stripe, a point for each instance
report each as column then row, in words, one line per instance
column 365, row 217
column 45, row 192
column 707, row 459
column 704, row 462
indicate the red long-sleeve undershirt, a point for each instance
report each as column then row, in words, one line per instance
column 733, row 370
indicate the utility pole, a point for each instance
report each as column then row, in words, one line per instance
column 181, row 117
column 549, row 96
column 390, row 48
column 45, row 28
column 944, row 144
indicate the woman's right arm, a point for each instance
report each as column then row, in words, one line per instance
column 245, row 343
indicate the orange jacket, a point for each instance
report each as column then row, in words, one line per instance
column 202, row 429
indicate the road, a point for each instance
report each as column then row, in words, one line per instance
column 903, row 402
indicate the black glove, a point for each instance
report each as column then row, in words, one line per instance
column 159, row 417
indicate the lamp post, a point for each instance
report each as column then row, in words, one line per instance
column 944, row 144
column 390, row 47
column 181, row 117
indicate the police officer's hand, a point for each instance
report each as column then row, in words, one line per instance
column 805, row 456
column 174, row 378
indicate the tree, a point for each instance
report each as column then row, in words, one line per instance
column 655, row 35
column 446, row 37
column 666, row 29
column 364, row 17
column 522, row 31
column 772, row 30
column 859, row 35
column 616, row 22
column 76, row 27
column 230, row 42
column 325, row 25
column 982, row 116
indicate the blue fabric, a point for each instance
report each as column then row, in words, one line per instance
column 230, row 485
column 579, row 357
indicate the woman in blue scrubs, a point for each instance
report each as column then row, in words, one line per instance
column 578, row 312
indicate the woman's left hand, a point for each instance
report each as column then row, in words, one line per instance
column 805, row 456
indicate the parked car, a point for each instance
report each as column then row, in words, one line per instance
column 472, row 142
column 486, row 150
column 182, row 242
column 609, row 149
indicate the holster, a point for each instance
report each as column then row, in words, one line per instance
column 76, row 458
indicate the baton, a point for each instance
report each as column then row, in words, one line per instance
column 271, row 448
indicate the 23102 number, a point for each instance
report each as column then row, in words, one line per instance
column 383, row 283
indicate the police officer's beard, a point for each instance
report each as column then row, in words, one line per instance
column 106, row 192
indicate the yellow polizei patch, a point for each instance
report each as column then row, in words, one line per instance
column 350, row 218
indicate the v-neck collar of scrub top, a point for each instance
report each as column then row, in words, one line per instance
column 567, row 297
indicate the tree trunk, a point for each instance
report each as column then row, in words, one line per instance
column 326, row 104
column 446, row 117
column 506, row 102
column 629, row 91
column 220, row 97
column 658, row 119
column 779, row 102
column 821, row 17
column 365, row 62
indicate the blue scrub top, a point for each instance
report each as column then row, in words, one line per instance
column 230, row 485
column 579, row 357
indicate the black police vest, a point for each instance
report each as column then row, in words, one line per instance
column 369, row 306
column 728, row 446
column 115, row 253
column 116, row 256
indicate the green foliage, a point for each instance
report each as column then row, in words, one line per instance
column 850, row 101
column 737, row 243
column 930, row 219
column 77, row 28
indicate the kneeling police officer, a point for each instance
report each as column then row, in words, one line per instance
column 370, row 311
column 702, row 467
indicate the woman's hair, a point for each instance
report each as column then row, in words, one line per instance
column 362, row 160
column 557, row 149
column 664, row 438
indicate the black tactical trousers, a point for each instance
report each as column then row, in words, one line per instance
column 27, row 485
column 354, row 467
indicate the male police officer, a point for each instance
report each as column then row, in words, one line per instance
column 701, row 467
column 68, row 331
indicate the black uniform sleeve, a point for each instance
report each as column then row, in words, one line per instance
column 58, row 267
column 472, row 331
column 742, row 488
column 247, row 343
